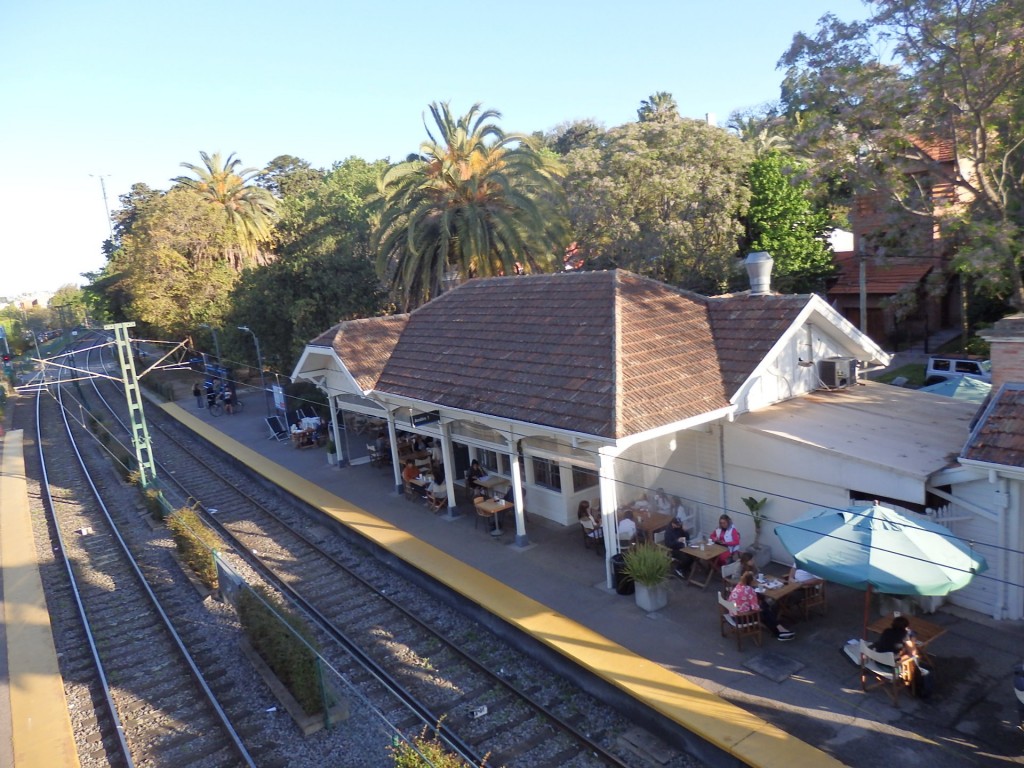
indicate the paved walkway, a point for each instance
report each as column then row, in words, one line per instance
column 969, row 721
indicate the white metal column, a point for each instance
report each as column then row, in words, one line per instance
column 609, row 504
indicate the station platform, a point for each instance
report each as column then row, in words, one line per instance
column 799, row 695
column 35, row 728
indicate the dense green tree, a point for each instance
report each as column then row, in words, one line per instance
column 662, row 198
column 288, row 176
column 658, row 106
column 475, row 202
column 167, row 273
column 782, row 221
column 68, row 302
column 952, row 78
column 249, row 208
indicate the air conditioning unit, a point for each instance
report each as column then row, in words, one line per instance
column 837, row 372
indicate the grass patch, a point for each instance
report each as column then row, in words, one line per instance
column 913, row 373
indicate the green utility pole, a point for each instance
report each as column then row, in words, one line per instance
column 140, row 432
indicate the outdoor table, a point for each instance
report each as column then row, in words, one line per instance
column 490, row 482
column 704, row 559
column 649, row 522
column 303, row 438
column 781, row 593
column 496, row 507
column 924, row 631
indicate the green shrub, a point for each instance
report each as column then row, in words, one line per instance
column 425, row 751
column 154, row 502
column 280, row 646
column 195, row 543
column 647, row 564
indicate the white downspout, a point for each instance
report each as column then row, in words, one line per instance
column 449, row 468
column 336, row 431
column 517, row 493
column 393, row 439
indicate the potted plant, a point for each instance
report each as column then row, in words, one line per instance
column 332, row 453
column 762, row 553
column 648, row 565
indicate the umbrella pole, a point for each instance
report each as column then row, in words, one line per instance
column 867, row 610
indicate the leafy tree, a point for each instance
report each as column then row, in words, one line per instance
column 475, row 202
column 662, row 198
column 249, row 208
column 658, row 106
column 953, row 79
column 295, row 298
column 782, row 221
column 288, row 176
column 573, row 135
column 68, row 302
column 167, row 273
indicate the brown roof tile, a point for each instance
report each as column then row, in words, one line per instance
column 885, row 278
column 998, row 437
column 745, row 329
column 603, row 353
column 365, row 345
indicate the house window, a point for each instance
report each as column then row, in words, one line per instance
column 546, row 474
column 583, row 479
column 494, row 462
column 488, row 460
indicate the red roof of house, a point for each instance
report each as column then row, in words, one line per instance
column 998, row 437
column 883, row 276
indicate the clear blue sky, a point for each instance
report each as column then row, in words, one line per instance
column 130, row 90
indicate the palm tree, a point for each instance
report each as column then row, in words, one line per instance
column 474, row 202
column 660, row 105
column 249, row 208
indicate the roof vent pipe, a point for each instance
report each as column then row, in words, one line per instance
column 759, row 270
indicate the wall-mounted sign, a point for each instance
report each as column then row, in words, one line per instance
column 419, row 419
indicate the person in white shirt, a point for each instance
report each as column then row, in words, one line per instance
column 626, row 528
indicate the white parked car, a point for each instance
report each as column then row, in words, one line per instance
column 941, row 367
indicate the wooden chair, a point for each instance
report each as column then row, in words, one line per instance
column 882, row 667
column 592, row 535
column 436, row 503
column 812, row 596
column 485, row 514
column 740, row 624
column 413, row 493
column 731, row 573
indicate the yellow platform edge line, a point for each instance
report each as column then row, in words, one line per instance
column 40, row 723
column 736, row 731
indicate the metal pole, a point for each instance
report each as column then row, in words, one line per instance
column 106, row 205
column 216, row 341
column 259, row 360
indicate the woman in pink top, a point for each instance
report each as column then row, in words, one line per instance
column 746, row 599
column 726, row 535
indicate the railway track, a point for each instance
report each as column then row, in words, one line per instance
column 155, row 707
column 490, row 700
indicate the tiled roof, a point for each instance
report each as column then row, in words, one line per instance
column 603, row 353
column 998, row 437
column 364, row 345
column 745, row 328
column 885, row 278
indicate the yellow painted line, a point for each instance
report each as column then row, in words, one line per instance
column 41, row 725
column 747, row 737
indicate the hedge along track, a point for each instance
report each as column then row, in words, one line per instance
column 446, row 668
column 159, row 704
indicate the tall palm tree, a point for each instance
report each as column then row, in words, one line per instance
column 660, row 105
column 249, row 208
column 474, row 202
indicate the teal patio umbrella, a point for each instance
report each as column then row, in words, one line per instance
column 872, row 547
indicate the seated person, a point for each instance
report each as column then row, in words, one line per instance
column 409, row 473
column 662, row 502
column 626, row 528
column 437, row 493
column 675, row 540
column 746, row 599
column 747, row 564
column 727, row 536
column 583, row 515
column 899, row 639
column 474, row 473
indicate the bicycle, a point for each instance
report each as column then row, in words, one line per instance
column 216, row 408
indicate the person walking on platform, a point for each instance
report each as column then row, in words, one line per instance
column 197, row 393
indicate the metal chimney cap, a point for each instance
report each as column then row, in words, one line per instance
column 759, row 270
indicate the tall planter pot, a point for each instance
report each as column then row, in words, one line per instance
column 651, row 598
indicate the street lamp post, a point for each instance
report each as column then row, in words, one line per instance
column 259, row 360
column 216, row 342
